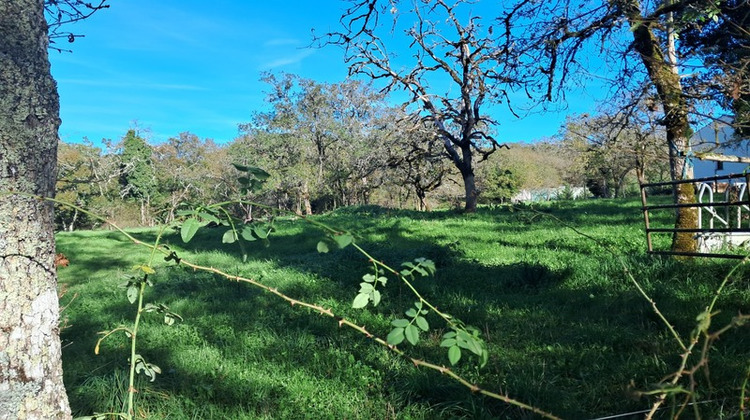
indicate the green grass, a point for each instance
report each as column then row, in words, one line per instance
column 567, row 332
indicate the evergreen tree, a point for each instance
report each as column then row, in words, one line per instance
column 137, row 179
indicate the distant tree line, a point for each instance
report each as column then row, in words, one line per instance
column 333, row 145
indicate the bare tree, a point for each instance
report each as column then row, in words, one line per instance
column 416, row 160
column 638, row 37
column 611, row 145
column 59, row 13
column 453, row 53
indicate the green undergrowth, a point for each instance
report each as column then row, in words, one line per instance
column 566, row 330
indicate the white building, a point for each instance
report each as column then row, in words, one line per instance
column 719, row 153
column 718, row 138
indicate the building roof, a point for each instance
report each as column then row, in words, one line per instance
column 719, row 137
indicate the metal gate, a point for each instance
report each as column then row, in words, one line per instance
column 723, row 208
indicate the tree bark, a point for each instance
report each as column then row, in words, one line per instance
column 306, row 198
column 470, row 189
column 31, row 385
column 466, row 167
column 667, row 81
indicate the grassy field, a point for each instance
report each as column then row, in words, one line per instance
column 566, row 330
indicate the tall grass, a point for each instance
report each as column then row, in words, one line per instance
column 565, row 329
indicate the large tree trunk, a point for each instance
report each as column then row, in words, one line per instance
column 667, row 81
column 467, row 173
column 31, row 385
column 470, row 188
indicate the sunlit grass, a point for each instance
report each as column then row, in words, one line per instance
column 566, row 330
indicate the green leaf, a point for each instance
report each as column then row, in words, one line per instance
column 174, row 316
column 255, row 185
column 473, row 345
column 411, row 313
column 260, row 174
column 146, row 269
column 370, row 278
column 463, row 343
column 260, row 232
column 429, row 265
column 360, row 301
column 448, row 342
column 375, row 297
column 400, row 323
column 323, row 247
column 343, row 240
column 704, row 322
column 239, row 167
column 189, row 228
column 132, row 293
column 412, row 334
column 208, row 217
column 464, row 336
column 454, row 355
column 247, row 233
column 366, row 287
column 149, row 307
column 422, row 323
column 395, row 337
column 382, row 280
column 155, row 368
column 229, row 237
column 421, row 271
column 484, row 358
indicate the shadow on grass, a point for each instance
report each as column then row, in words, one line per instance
column 567, row 337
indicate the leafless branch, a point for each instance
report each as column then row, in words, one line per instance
column 63, row 12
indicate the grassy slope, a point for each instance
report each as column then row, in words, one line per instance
column 566, row 330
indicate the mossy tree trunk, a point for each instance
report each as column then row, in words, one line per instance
column 667, row 82
column 31, row 385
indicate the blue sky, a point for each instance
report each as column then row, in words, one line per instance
column 170, row 66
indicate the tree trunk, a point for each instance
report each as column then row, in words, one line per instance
column 31, row 385
column 306, row 198
column 421, row 202
column 72, row 227
column 663, row 75
column 470, row 189
column 620, row 188
column 466, row 167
